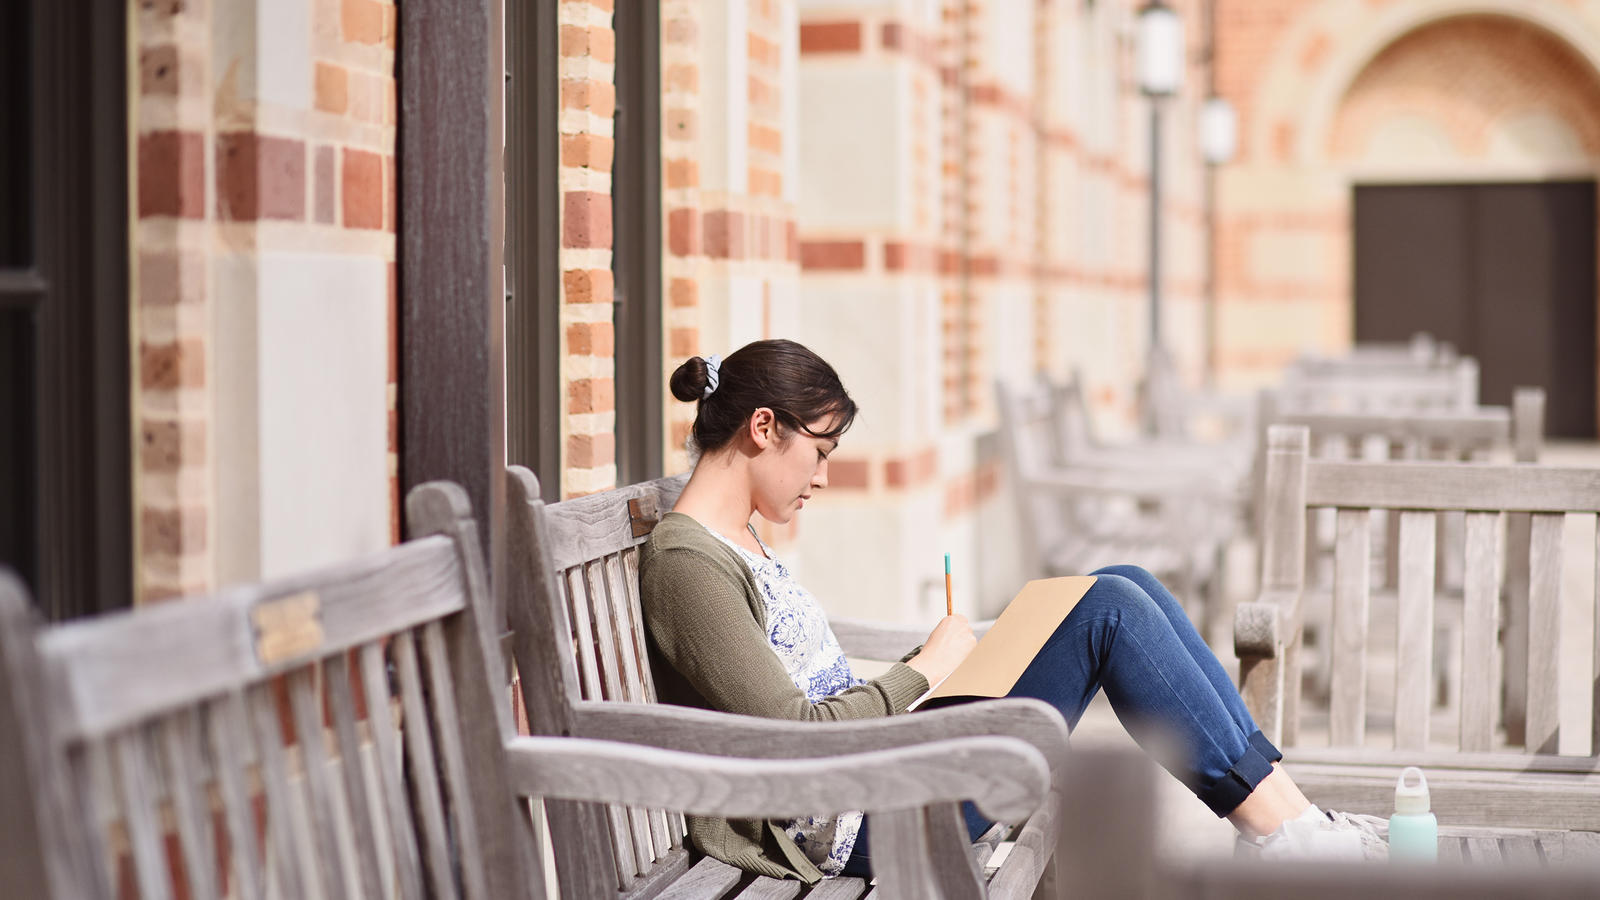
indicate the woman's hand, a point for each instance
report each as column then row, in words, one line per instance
column 949, row 643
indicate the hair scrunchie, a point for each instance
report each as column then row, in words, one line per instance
column 713, row 370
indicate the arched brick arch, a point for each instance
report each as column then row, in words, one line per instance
column 1460, row 77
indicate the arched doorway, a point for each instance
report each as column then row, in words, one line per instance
column 1470, row 144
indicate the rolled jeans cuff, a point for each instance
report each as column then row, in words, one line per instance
column 1228, row 792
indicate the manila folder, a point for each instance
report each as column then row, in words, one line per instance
column 1004, row 652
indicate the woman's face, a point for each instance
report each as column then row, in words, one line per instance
column 789, row 468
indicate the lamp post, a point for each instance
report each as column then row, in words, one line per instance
column 1159, row 66
column 1219, row 137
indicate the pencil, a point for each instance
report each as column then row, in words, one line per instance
column 949, row 604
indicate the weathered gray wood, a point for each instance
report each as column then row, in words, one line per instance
column 126, row 668
column 1414, row 631
column 1459, row 486
column 588, row 528
column 707, row 878
column 902, row 859
column 1483, row 851
column 1544, row 633
column 838, row 888
column 452, row 756
column 297, row 873
column 386, row 754
column 1347, row 722
column 1520, row 850
column 608, row 647
column 764, row 888
column 305, row 704
column 1451, row 850
column 419, row 748
column 1478, row 687
column 368, row 834
column 180, row 755
column 1004, row 776
column 136, row 777
column 1283, row 568
column 955, row 870
column 636, row 675
column 227, row 728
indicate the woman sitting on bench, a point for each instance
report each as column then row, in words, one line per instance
column 742, row 636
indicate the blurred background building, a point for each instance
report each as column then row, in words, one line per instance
column 265, row 264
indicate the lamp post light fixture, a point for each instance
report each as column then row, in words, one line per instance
column 1219, row 131
column 1159, row 64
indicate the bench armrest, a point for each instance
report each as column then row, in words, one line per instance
column 725, row 734
column 865, row 639
column 1005, row 777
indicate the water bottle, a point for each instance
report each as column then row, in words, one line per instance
column 1413, row 830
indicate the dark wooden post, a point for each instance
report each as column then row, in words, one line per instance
column 452, row 357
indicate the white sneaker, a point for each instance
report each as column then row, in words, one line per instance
column 1316, row 834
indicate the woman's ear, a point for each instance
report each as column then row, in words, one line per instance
column 763, row 428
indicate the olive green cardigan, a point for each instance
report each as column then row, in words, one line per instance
column 707, row 625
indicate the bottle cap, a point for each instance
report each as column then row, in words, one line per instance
column 1411, row 799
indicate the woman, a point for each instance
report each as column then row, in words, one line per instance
column 732, row 630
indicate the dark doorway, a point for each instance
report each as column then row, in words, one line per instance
column 65, row 479
column 1506, row 272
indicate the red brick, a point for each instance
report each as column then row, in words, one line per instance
column 602, row 44
column 683, row 173
column 724, row 234
column 598, row 97
column 260, row 177
column 682, row 77
column 332, row 88
column 683, row 343
column 588, row 285
column 894, row 36
column 683, row 232
column 762, row 50
column 588, row 451
column 683, row 292
column 602, row 5
column 833, row 255
column 167, row 445
column 172, row 174
column 323, row 186
column 169, row 279
column 679, row 125
column 158, row 70
column 765, row 138
column 180, row 364
column 681, row 31
column 172, row 532
column 586, row 219
column 591, row 339
column 590, row 151
column 361, row 21
column 391, row 194
column 587, row 395
column 792, row 238
column 574, row 41
column 847, row 473
column 362, row 184
column 830, row 37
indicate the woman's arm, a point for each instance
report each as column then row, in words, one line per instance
column 702, row 623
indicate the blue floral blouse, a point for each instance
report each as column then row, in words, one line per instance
column 800, row 635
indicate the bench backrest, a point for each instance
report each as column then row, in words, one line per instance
column 1487, row 495
column 1381, row 388
column 574, row 608
column 332, row 734
column 1030, row 432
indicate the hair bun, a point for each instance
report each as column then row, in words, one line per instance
column 690, row 380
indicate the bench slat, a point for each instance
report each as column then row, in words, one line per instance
column 386, row 754
column 419, row 746
column 227, row 729
column 707, row 878
column 442, row 691
column 764, row 888
column 1480, row 606
column 631, row 833
column 622, row 580
column 338, row 684
column 1351, row 618
column 139, row 815
column 307, row 711
column 186, row 773
column 292, row 867
column 838, row 888
column 1544, row 633
column 1423, row 485
column 1414, row 630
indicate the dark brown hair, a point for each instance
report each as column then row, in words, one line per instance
column 796, row 384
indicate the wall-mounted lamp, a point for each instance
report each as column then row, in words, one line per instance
column 1219, row 131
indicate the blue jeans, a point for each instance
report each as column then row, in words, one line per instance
column 1129, row 636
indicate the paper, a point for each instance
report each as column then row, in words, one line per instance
column 1003, row 654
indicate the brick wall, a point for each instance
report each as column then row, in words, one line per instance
column 588, row 103
column 1332, row 94
column 264, row 289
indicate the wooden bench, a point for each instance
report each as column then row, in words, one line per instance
column 1168, row 511
column 582, row 655
column 1480, row 781
column 1397, row 388
column 250, row 744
